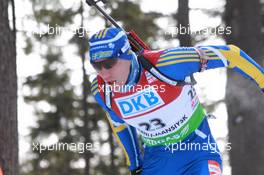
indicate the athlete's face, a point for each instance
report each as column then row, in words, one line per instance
column 113, row 70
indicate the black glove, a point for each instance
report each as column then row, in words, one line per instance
column 136, row 171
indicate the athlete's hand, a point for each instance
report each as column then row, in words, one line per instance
column 136, row 171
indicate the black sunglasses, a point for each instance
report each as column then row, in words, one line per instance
column 107, row 64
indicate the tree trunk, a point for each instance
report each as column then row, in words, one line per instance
column 87, row 133
column 8, row 95
column 244, row 101
column 85, row 92
column 183, row 26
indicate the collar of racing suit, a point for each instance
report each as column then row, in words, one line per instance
column 134, row 74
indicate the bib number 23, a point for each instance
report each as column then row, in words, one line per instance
column 153, row 124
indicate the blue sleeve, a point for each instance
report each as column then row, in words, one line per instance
column 180, row 62
column 126, row 135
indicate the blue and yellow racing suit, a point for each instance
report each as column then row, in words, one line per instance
column 170, row 119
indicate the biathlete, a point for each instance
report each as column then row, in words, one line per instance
column 152, row 95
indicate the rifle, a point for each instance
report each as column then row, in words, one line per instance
column 136, row 43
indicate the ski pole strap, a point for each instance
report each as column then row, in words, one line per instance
column 156, row 73
column 203, row 58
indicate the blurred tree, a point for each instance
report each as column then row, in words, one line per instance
column 92, row 114
column 51, row 90
column 181, row 27
column 209, row 31
column 57, row 106
column 244, row 101
column 182, row 18
column 8, row 92
column 133, row 18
